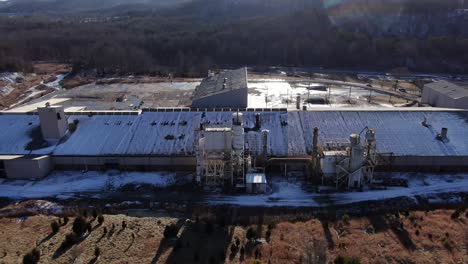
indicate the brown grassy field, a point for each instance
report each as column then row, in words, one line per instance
column 417, row 237
column 43, row 72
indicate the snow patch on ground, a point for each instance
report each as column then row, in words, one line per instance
column 292, row 194
column 280, row 94
column 64, row 184
column 10, row 77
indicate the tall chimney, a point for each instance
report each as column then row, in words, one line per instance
column 298, row 102
column 315, row 141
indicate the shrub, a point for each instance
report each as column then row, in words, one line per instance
column 105, row 230
column 72, row 127
column 171, row 231
column 32, row 257
column 65, row 220
column 209, row 227
column 100, row 219
column 346, row 260
column 412, row 218
column 233, row 249
column 237, row 242
column 417, row 232
column 55, row 227
column 268, row 235
column 89, row 227
column 446, row 242
column 70, row 240
column 242, row 251
column 271, row 225
column 257, row 261
column 345, row 218
column 455, row 215
column 124, row 224
column 97, row 252
column 251, row 234
column 95, row 214
column 79, row 225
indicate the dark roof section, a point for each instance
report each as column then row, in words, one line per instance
column 449, row 89
column 222, row 82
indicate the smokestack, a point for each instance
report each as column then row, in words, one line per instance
column 298, row 102
column 258, row 124
column 315, row 141
column 265, row 144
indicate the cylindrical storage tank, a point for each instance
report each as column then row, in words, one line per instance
column 265, row 136
column 237, row 138
column 257, row 121
column 237, row 119
column 355, row 139
column 197, row 121
column 370, row 135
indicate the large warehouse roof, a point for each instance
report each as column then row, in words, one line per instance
column 150, row 133
column 222, row 82
column 449, row 89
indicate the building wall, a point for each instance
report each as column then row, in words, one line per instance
column 140, row 163
column 437, row 99
column 229, row 99
column 27, row 168
column 428, row 164
column 256, row 187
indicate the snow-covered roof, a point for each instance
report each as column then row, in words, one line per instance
column 222, row 82
column 290, row 133
column 16, row 133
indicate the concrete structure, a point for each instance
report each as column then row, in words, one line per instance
column 53, row 121
column 256, row 182
column 215, row 158
column 225, row 90
column 25, row 167
column 445, row 94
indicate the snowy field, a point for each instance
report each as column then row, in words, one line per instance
column 292, row 194
column 281, row 94
column 67, row 184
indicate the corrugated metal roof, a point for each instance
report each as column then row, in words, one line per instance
column 398, row 132
column 235, row 79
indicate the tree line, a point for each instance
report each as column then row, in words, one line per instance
column 185, row 46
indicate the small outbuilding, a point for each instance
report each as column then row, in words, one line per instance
column 445, row 94
column 25, row 167
column 256, row 182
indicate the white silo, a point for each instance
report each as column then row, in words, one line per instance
column 265, row 138
column 238, row 142
column 356, row 162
